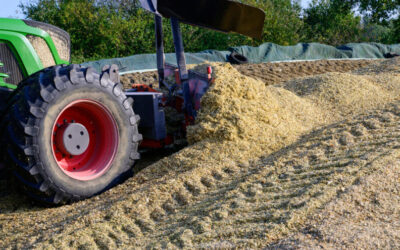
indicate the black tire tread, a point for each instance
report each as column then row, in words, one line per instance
column 236, row 58
column 27, row 107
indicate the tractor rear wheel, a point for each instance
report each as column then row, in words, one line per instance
column 71, row 134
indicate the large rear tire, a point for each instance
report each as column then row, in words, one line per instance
column 71, row 134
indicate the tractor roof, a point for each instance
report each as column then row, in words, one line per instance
column 222, row 15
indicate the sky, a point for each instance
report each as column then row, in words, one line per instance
column 304, row 3
column 9, row 8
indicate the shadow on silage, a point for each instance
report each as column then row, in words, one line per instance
column 10, row 198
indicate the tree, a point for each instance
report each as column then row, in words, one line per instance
column 379, row 11
column 331, row 22
column 283, row 24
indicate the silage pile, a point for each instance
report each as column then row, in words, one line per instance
column 241, row 120
column 343, row 94
column 244, row 115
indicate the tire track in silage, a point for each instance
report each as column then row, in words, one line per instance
column 281, row 186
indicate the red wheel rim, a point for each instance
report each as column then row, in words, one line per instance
column 103, row 140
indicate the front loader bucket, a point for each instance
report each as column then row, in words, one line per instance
column 222, row 15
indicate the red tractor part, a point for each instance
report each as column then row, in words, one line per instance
column 85, row 140
column 143, row 88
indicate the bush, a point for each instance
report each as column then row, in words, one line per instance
column 373, row 32
column 395, row 32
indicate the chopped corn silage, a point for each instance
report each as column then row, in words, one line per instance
column 241, row 120
column 248, row 118
column 346, row 93
column 364, row 216
column 384, row 67
column 245, row 115
column 43, row 50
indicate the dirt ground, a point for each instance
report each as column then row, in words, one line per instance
column 312, row 162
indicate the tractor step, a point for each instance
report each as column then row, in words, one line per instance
column 152, row 117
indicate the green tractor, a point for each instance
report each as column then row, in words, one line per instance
column 69, row 132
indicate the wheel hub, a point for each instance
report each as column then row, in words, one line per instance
column 72, row 139
column 88, row 155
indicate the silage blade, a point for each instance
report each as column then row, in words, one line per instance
column 222, row 15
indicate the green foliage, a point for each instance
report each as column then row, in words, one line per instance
column 373, row 32
column 331, row 22
column 396, row 31
column 379, row 11
column 282, row 24
column 381, row 18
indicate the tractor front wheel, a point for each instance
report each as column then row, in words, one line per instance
column 71, row 134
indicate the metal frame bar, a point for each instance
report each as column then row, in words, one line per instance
column 160, row 48
column 179, row 50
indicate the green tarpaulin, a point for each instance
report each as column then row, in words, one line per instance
column 267, row 52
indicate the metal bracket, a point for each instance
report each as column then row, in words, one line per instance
column 160, row 48
column 179, row 50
